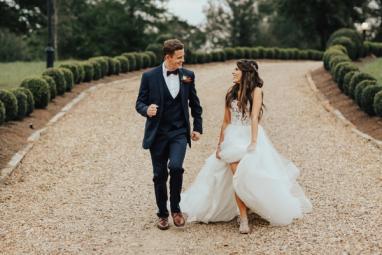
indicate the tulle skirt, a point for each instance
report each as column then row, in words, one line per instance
column 264, row 180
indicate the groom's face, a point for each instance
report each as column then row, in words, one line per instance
column 176, row 60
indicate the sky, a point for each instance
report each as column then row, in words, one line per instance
column 190, row 10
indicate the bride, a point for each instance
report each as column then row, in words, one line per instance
column 245, row 168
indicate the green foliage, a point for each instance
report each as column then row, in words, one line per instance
column 10, row 103
column 146, row 60
column 356, row 79
column 22, row 104
column 347, row 42
column 52, row 86
column 153, row 58
column 81, row 73
column 68, row 75
column 59, row 79
column 97, row 70
column 230, row 53
column 359, row 88
column 124, row 62
column 367, row 98
column 239, row 53
column 157, row 49
column 201, row 57
column 346, row 81
column 88, row 68
column 2, row 113
column 132, row 61
column 30, row 99
column 75, row 71
column 341, row 70
column 355, row 43
column 103, row 63
column 378, row 104
column 13, row 47
column 40, row 90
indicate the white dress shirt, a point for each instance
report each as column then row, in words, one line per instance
column 172, row 82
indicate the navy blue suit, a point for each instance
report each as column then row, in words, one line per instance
column 168, row 133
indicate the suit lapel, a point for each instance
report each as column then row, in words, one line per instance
column 181, row 87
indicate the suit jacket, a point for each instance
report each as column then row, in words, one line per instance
column 151, row 92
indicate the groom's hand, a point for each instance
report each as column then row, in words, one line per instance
column 195, row 136
column 152, row 110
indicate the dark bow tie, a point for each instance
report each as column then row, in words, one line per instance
column 175, row 72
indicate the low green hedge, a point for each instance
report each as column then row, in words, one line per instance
column 356, row 79
column 132, row 60
column 346, row 82
column 58, row 77
column 2, row 113
column 377, row 105
column 88, row 68
column 52, row 86
column 75, row 69
column 40, row 90
column 69, row 81
column 30, row 99
column 355, row 41
column 10, row 103
column 367, row 98
column 359, row 88
column 97, row 69
column 22, row 103
column 124, row 62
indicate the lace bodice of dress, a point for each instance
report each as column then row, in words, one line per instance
column 237, row 117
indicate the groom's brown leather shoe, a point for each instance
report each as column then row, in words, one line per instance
column 179, row 220
column 162, row 224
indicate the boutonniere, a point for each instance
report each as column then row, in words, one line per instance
column 186, row 79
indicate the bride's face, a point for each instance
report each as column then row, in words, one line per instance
column 236, row 75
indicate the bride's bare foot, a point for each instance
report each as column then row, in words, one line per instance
column 244, row 228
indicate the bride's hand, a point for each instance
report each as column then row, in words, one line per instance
column 251, row 147
column 218, row 152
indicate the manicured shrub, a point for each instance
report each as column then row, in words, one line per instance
column 132, row 61
column 117, row 69
column 216, row 57
column 81, row 73
column 230, row 53
column 338, row 59
column 139, row 60
column 2, row 113
column 358, row 90
column 357, row 78
column 239, row 53
column 346, row 82
column 378, row 104
column 52, row 86
column 157, row 49
column 30, row 99
column 255, row 53
column 22, row 104
column 341, row 70
column 124, row 62
column 376, row 48
column 75, row 71
column 97, row 70
column 331, row 52
column 88, row 68
column 247, row 52
column 104, row 63
column 153, row 58
column 284, row 54
column 114, row 66
column 201, row 57
column 269, row 53
column 59, row 79
column 191, row 58
column 303, row 54
column 261, row 51
column 68, row 75
column 368, row 96
column 208, row 57
column 10, row 103
column 350, row 46
column 146, row 60
column 223, row 56
column 353, row 35
column 40, row 90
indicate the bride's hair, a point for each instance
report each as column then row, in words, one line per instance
column 250, row 79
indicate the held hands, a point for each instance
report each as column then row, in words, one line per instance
column 195, row 136
column 152, row 110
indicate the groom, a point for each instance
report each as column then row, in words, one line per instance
column 164, row 96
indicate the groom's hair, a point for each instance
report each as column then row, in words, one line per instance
column 172, row 45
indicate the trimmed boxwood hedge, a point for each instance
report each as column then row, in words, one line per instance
column 59, row 79
column 354, row 37
column 88, row 68
column 2, row 113
column 75, row 71
column 157, row 50
column 30, row 99
column 124, row 63
column 346, row 82
column 356, row 79
column 97, row 70
column 367, row 98
column 378, row 104
column 153, row 58
column 10, row 103
column 40, row 90
column 230, row 53
column 359, row 90
column 22, row 104
column 350, row 46
column 68, row 75
column 132, row 61
column 341, row 70
column 52, row 86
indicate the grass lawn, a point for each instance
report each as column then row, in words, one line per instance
column 374, row 68
column 11, row 74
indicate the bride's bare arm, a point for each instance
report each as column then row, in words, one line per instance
column 226, row 121
column 256, row 108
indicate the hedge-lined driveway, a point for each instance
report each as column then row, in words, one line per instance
column 86, row 186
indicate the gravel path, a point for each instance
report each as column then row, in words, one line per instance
column 86, row 187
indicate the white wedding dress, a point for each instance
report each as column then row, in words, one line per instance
column 264, row 180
